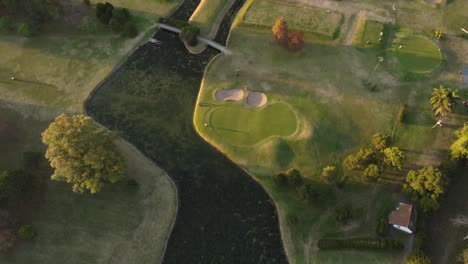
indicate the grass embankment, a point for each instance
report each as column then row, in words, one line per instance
column 121, row 224
column 223, row 214
column 369, row 33
column 55, row 71
column 336, row 113
column 209, row 14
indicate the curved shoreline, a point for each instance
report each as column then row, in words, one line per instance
column 92, row 96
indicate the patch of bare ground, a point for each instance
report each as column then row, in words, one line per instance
column 229, row 94
column 256, row 99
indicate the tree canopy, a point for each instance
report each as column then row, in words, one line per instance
column 459, row 148
column 360, row 160
column 280, row 31
column 380, row 141
column 393, row 157
column 442, row 100
column 425, row 186
column 82, row 154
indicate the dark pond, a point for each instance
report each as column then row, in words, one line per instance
column 224, row 216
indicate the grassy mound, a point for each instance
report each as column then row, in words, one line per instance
column 240, row 126
column 417, row 54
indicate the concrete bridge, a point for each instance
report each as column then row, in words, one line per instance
column 206, row 41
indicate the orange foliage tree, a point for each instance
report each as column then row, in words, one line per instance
column 280, row 31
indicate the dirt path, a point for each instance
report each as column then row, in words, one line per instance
column 356, row 18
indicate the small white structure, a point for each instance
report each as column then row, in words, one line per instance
column 402, row 218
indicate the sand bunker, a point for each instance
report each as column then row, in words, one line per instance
column 229, row 95
column 256, row 99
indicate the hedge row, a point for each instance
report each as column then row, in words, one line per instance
column 359, row 243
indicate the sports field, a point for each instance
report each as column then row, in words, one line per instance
column 307, row 19
column 241, row 126
column 417, row 54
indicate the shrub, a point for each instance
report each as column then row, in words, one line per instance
column 371, row 172
column 104, row 12
column 401, row 113
column 188, row 34
column 120, row 17
column 418, row 258
column 24, row 30
column 6, row 24
column 129, row 30
column 87, row 2
column 7, row 239
column 12, row 184
column 295, row 178
column 360, row 243
column 280, row 180
column 318, row 195
column 342, row 214
column 27, row 232
column 295, row 41
column 382, row 226
column 329, row 174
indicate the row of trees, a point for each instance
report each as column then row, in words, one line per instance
column 118, row 19
column 372, row 161
column 293, row 41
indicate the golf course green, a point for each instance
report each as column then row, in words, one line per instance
column 241, row 126
column 418, row 54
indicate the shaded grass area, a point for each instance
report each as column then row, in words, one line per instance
column 447, row 239
column 224, row 216
column 240, row 126
column 300, row 18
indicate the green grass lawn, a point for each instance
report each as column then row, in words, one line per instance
column 121, row 224
column 306, row 19
column 240, row 126
column 55, row 71
column 417, row 54
column 208, row 15
column 336, row 114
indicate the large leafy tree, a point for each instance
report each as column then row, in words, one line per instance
column 82, row 154
column 442, row 100
column 459, row 148
column 425, row 187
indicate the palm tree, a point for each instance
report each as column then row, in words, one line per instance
column 442, row 100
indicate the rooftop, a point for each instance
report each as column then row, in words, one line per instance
column 402, row 215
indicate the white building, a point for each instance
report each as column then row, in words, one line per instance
column 402, row 218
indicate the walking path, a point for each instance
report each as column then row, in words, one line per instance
column 206, row 41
